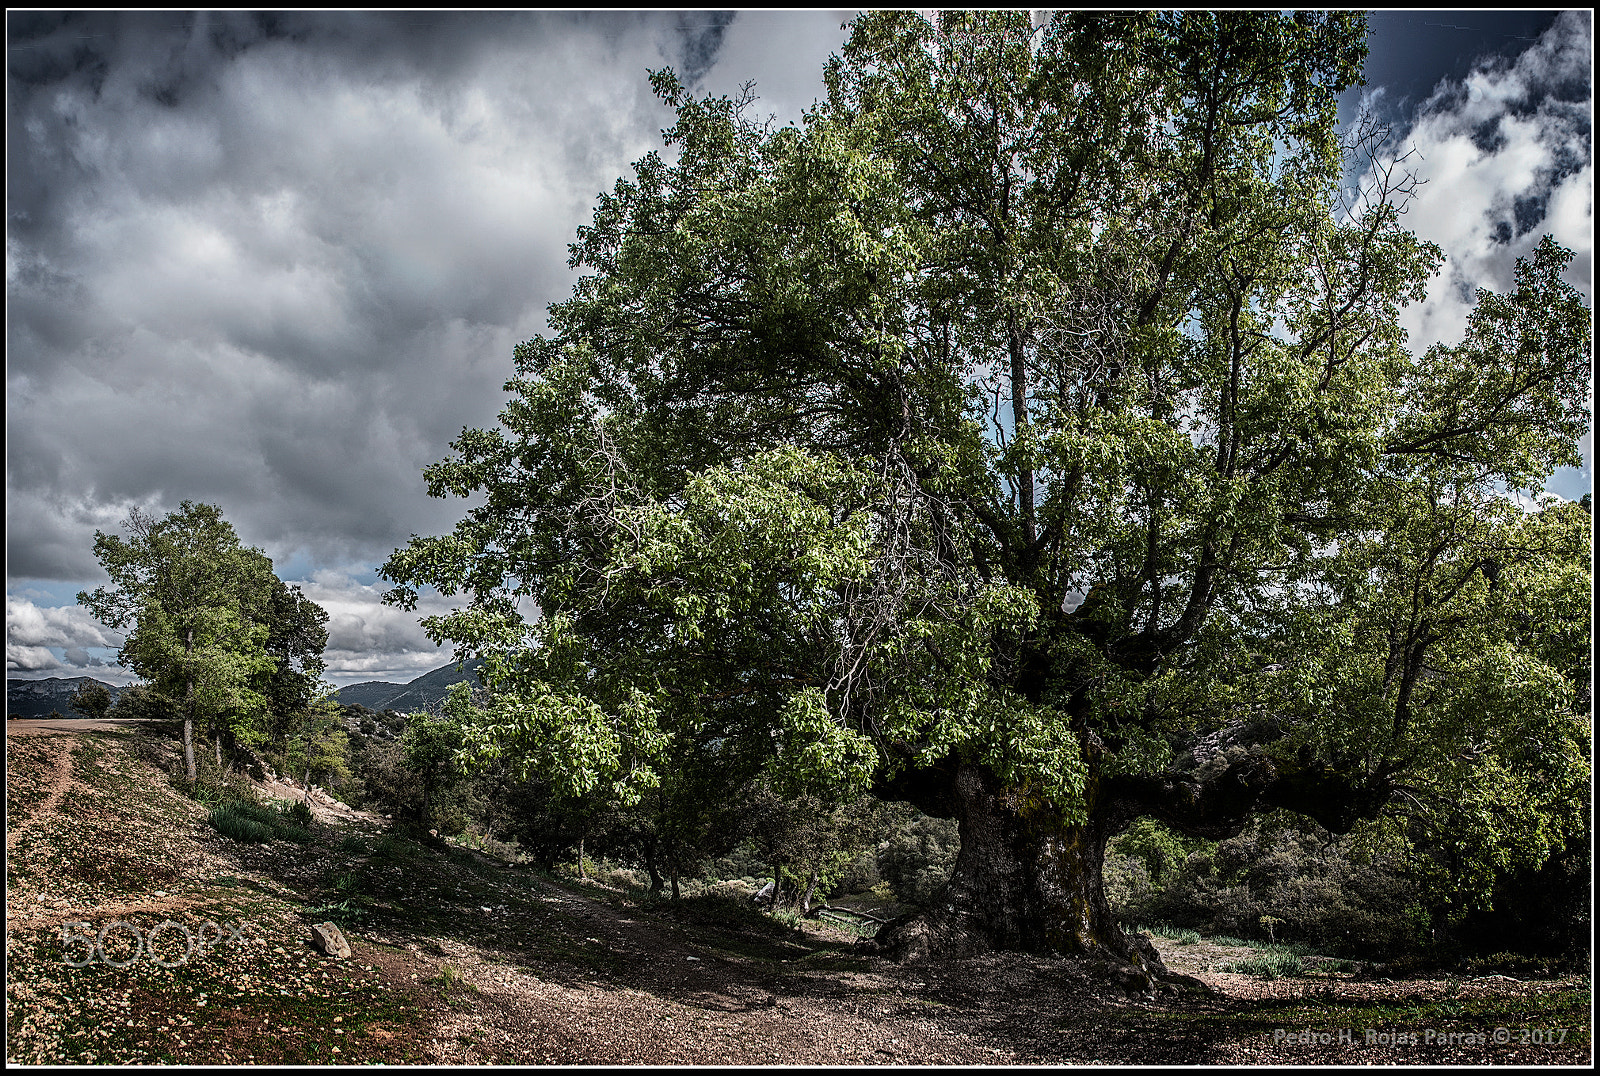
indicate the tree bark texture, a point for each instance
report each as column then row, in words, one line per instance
column 188, row 716
column 805, row 899
column 1029, row 879
column 1025, row 879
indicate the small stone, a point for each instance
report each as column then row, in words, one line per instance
column 330, row 941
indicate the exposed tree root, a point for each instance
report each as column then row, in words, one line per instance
column 942, row 935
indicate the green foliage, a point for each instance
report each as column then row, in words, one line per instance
column 251, row 822
column 318, row 747
column 229, row 821
column 429, row 747
column 91, row 700
column 1351, row 895
column 393, row 849
column 842, row 415
column 1157, row 848
column 215, row 633
column 142, row 702
column 917, row 855
column 344, row 913
column 807, row 840
column 1269, row 966
column 1517, row 965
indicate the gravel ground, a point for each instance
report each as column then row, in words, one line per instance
column 458, row 960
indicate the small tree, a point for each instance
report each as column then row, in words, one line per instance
column 319, row 749
column 188, row 589
column 430, row 745
column 806, row 838
column 91, row 700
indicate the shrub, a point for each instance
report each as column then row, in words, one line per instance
column 1269, row 966
column 1287, row 873
column 859, row 875
column 252, row 822
column 1516, row 965
column 722, row 907
column 394, row 849
column 342, row 914
column 228, row 820
column 296, row 812
column 917, row 858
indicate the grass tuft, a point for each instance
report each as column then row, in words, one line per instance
column 1269, row 966
column 256, row 824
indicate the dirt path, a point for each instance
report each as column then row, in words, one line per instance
column 51, row 726
column 61, row 913
column 671, row 999
column 62, row 780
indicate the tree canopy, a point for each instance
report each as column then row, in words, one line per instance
column 214, row 630
column 1030, row 434
column 91, row 700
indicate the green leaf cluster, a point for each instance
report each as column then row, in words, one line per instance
column 1038, row 402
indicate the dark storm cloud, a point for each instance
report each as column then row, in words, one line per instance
column 276, row 262
column 701, row 35
column 1411, row 52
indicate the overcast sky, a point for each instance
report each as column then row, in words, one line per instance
column 276, row 263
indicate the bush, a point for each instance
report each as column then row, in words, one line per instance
column 343, row 914
column 297, row 813
column 231, row 822
column 1270, row 966
column 857, row 876
column 1516, row 965
column 251, row 822
column 394, row 849
column 917, row 858
column 1286, row 873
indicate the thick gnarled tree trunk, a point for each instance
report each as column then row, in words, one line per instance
column 1025, row 879
column 1029, row 879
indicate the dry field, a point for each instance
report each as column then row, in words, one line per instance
column 458, row 959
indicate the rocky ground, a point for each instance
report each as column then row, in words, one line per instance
column 458, row 959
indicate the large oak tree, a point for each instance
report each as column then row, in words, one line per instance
column 1029, row 434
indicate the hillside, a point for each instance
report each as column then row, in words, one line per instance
column 460, row 959
column 37, row 698
column 425, row 691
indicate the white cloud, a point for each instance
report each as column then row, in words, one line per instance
column 368, row 640
column 1504, row 159
column 29, row 625
column 31, row 659
column 34, row 633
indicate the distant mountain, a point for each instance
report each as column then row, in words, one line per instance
column 425, row 691
column 37, row 698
